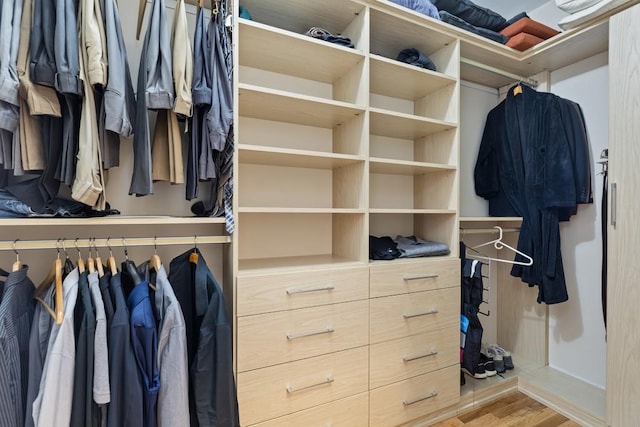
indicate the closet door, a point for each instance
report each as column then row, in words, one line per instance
column 623, row 333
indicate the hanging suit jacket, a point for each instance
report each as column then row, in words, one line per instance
column 16, row 314
column 525, row 167
column 212, row 390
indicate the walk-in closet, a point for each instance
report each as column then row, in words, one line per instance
column 303, row 180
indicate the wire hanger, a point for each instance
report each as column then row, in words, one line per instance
column 17, row 266
column 499, row 244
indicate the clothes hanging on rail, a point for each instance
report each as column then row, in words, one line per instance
column 533, row 163
column 212, row 392
column 16, row 314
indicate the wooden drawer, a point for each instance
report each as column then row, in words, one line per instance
column 397, row 360
column 279, row 390
column 414, row 276
column 410, row 314
column 413, row 398
column 269, row 339
column 350, row 412
column 277, row 292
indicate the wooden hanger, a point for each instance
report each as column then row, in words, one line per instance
column 91, row 265
column 155, row 261
column 17, row 265
column 98, row 260
column 499, row 244
column 55, row 276
column 193, row 256
column 142, row 6
column 111, row 261
column 80, row 262
column 518, row 89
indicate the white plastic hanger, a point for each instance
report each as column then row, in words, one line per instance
column 499, row 244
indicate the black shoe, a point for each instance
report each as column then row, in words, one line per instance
column 479, row 374
column 462, row 380
column 489, row 366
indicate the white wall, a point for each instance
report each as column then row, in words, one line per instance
column 576, row 328
column 475, row 103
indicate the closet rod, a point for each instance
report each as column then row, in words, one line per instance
column 464, row 231
column 113, row 242
column 531, row 82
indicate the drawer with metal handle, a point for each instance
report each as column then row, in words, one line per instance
column 404, row 315
column 285, row 291
column 279, row 390
column 403, row 358
column 413, row 398
column 272, row 338
column 414, row 276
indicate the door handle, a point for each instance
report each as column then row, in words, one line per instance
column 614, row 203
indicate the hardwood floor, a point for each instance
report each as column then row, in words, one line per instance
column 515, row 409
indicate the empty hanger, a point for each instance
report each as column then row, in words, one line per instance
column 17, row 265
column 55, row 276
column 499, row 244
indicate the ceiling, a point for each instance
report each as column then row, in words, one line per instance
column 509, row 8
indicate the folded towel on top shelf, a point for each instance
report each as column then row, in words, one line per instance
column 529, row 26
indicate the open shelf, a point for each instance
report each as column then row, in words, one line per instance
column 399, row 167
column 412, row 211
column 255, row 154
column 336, row 16
column 109, row 221
column 490, row 219
column 281, row 106
column 404, row 126
column 288, row 236
column 250, row 266
column 279, row 51
column 408, row 82
column 284, row 210
column 438, row 225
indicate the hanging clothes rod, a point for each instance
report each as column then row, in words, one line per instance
column 526, row 80
column 112, row 242
column 464, row 231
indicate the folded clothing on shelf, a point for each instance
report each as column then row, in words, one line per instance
column 322, row 34
column 523, row 41
column 383, row 248
column 413, row 56
column 529, row 26
column 592, row 12
column 573, row 6
column 413, row 247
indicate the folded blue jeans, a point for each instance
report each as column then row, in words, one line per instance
column 414, row 57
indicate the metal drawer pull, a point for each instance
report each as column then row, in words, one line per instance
column 306, row 291
column 291, row 390
column 412, row 358
column 428, row 313
column 422, row 276
column 411, row 402
column 329, row 330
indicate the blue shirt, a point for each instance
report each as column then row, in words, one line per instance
column 144, row 338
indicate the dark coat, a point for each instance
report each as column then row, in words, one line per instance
column 212, row 389
column 527, row 167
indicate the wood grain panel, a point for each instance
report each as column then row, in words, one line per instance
column 414, row 276
column 279, row 390
column 350, row 412
column 269, row 339
column 286, row 291
column 406, row 400
column 404, row 358
column 623, row 316
column 410, row 314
